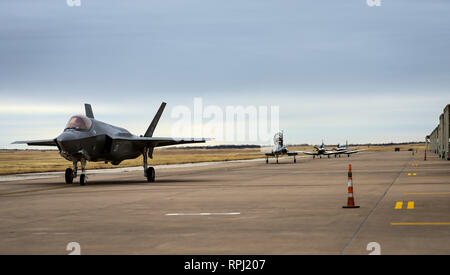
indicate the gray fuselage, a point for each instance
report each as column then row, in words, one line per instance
column 101, row 142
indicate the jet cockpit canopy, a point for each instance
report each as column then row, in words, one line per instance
column 79, row 122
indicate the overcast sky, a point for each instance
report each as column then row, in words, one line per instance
column 337, row 69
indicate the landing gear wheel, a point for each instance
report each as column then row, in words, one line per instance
column 83, row 180
column 150, row 174
column 267, row 160
column 69, row 176
column 295, row 160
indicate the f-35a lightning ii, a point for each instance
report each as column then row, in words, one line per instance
column 87, row 139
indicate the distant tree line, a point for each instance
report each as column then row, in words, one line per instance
column 249, row 146
column 253, row 146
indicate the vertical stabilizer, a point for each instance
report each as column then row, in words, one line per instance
column 155, row 121
column 88, row 109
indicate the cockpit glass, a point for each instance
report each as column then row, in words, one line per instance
column 79, row 122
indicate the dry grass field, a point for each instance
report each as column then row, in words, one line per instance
column 30, row 161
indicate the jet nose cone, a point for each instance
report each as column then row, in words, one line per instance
column 68, row 141
column 66, row 136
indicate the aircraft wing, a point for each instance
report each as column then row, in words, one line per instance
column 307, row 153
column 42, row 142
column 331, row 153
column 354, row 151
column 164, row 141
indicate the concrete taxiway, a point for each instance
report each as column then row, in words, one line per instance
column 237, row 208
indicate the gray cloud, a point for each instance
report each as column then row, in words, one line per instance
column 267, row 51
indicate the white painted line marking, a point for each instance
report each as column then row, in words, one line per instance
column 202, row 214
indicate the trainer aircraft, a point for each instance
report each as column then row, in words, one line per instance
column 343, row 149
column 279, row 149
column 321, row 150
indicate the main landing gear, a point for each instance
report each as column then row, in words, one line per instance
column 276, row 157
column 69, row 176
column 149, row 172
column 72, row 173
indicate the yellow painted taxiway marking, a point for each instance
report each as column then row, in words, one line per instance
column 399, row 205
column 429, row 193
column 420, row 223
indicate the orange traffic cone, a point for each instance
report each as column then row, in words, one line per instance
column 351, row 199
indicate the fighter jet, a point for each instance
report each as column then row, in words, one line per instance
column 87, row 139
column 279, row 148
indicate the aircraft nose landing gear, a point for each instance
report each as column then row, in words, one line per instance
column 83, row 180
column 83, row 177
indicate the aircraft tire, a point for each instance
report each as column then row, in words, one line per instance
column 150, row 174
column 295, row 160
column 83, row 180
column 69, row 176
